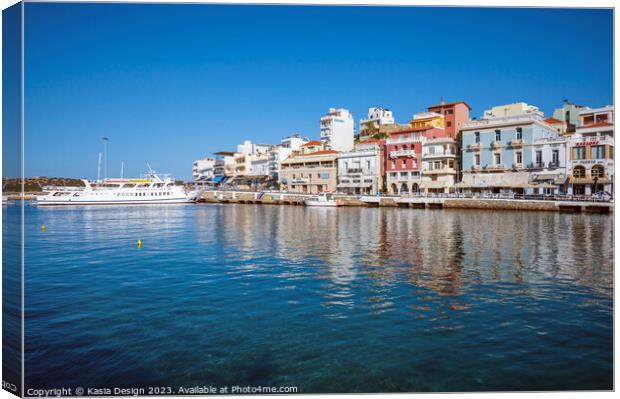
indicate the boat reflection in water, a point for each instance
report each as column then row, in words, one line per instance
column 326, row 299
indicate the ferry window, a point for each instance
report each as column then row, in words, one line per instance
column 597, row 171
column 579, row 171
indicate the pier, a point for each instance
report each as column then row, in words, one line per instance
column 421, row 202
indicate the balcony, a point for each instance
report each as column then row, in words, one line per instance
column 441, row 171
column 474, row 147
column 300, row 181
column 516, row 143
column 517, row 166
column 496, row 167
column 402, row 153
column 446, row 154
column 496, row 144
column 475, row 168
column 354, row 171
column 403, row 140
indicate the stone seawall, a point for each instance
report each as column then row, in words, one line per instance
column 240, row 197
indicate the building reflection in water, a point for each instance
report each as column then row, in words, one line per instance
column 363, row 255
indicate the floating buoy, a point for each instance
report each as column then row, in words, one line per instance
column 139, row 243
column 42, row 227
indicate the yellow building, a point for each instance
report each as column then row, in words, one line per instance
column 428, row 119
column 312, row 171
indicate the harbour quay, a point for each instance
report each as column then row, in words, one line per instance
column 511, row 151
column 549, row 204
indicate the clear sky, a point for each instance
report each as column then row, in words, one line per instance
column 169, row 84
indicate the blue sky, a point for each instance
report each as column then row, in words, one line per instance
column 172, row 83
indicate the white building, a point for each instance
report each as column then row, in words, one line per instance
column 203, row 169
column 439, row 165
column 377, row 117
column 360, row 171
column 285, row 149
column 591, row 152
column 337, row 129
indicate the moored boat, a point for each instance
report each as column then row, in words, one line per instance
column 322, row 200
column 151, row 190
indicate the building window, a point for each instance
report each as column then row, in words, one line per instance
column 539, row 158
column 448, row 124
column 498, row 158
column 579, row 171
column 598, row 171
column 555, row 157
column 477, row 137
column 498, row 135
column 597, row 152
column 519, row 133
column 579, row 152
column 477, row 159
column 368, row 164
column 519, row 157
column 449, row 112
column 393, row 163
column 404, row 163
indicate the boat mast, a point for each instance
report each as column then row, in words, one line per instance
column 122, row 167
column 99, row 167
column 105, row 158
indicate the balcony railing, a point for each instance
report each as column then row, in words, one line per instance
column 440, row 171
column 473, row 146
column 354, row 170
column 403, row 140
column 496, row 144
column 516, row 143
column 446, row 154
column 402, row 153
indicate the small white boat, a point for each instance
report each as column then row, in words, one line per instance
column 321, row 200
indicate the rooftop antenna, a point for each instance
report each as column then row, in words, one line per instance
column 105, row 157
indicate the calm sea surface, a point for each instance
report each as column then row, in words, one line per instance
column 328, row 300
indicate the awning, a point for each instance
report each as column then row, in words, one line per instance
column 218, row 179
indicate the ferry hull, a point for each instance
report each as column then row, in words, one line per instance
column 45, row 202
column 329, row 204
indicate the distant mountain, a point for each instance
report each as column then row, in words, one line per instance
column 36, row 184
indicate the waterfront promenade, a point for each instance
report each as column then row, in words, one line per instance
column 540, row 203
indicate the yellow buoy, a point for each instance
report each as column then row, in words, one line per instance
column 139, row 243
column 42, row 227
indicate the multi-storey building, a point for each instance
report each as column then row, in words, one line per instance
column 337, row 129
column 361, row 171
column 224, row 166
column 455, row 115
column 591, row 152
column 203, row 169
column 313, row 170
column 403, row 152
column 375, row 122
column 513, row 154
column 439, row 164
column 569, row 114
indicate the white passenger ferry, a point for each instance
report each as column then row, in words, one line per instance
column 150, row 190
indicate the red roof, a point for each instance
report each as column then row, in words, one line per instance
column 597, row 124
column 322, row 152
column 449, row 105
column 311, row 143
column 553, row 120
